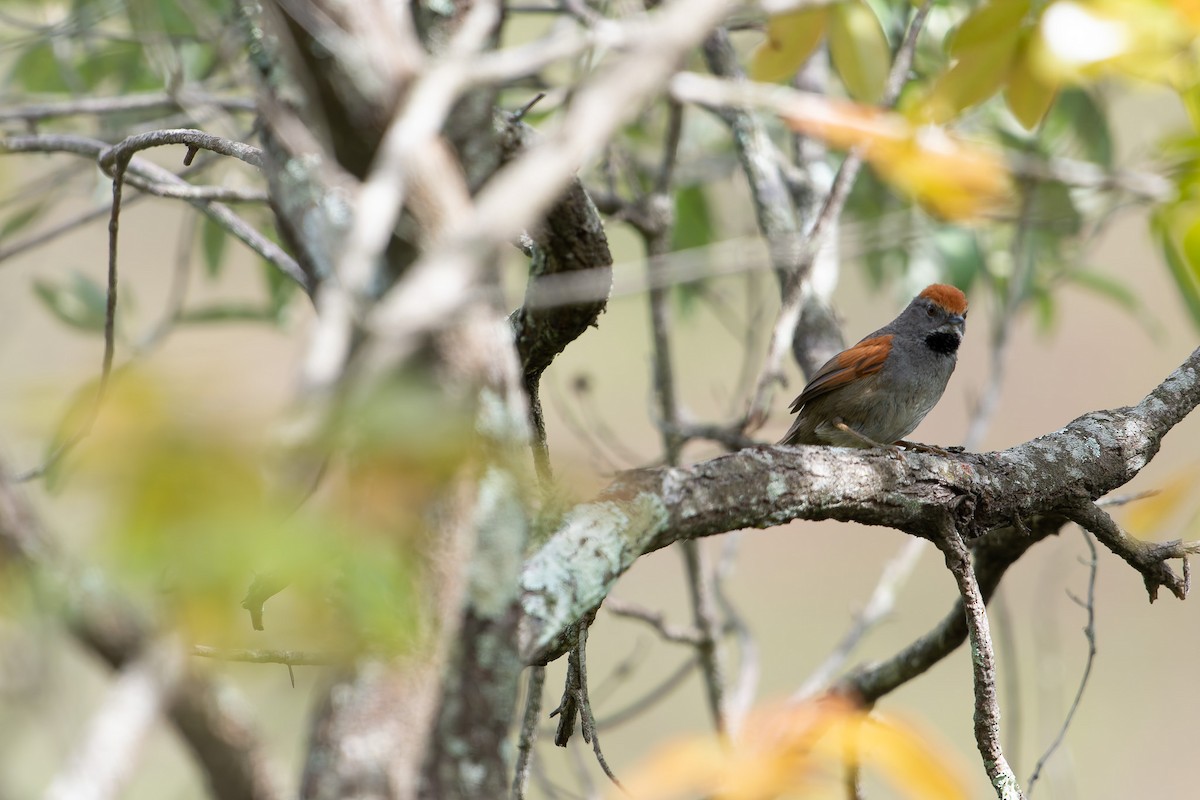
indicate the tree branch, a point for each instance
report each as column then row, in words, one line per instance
column 645, row 510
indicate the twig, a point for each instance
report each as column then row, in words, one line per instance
column 96, row 106
column 983, row 663
column 587, row 722
column 739, row 698
column 655, row 619
column 1089, row 632
column 700, row 589
column 879, row 606
column 110, row 316
column 293, row 658
column 654, row 695
column 1148, row 559
column 529, row 731
column 148, row 176
column 194, row 139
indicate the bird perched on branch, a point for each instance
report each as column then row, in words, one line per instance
column 876, row 392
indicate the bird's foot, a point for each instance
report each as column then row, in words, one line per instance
column 945, row 452
column 896, row 452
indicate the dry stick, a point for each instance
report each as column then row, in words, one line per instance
column 983, row 663
column 655, row 619
column 1089, row 632
column 740, row 697
column 110, row 316
column 981, row 419
column 654, row 695
column 879, row 606
column 587, row 722
column 529, row 731
column 154, row 179
column 656, row 235
column 293, row 658
column 790, row 307
column 96, row 106
column 1148, row 559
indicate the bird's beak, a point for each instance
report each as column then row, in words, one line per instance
column 958, row 321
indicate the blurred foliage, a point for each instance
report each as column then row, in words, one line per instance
column 190, row 520
column 90, row 48
column 795, row 751
column 1018, row 75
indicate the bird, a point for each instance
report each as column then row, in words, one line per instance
column 876, row 392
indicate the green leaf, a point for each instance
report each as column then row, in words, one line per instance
column 1182, row 254
column 791, row 39
column 81, row 303
column 975, row 77
column 1078, row 126
column 280, row 289
column 1053, row 210
column 693, row 222
column 1106, row 287
column 21, row 219
column 989, row 22
column 39, row 71
column 228, row 312
column 859, row 50
column 1028, row 95
column 213, row 241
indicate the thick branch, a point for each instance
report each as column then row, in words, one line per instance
column 645, row 510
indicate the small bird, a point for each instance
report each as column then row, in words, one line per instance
column 876, row 392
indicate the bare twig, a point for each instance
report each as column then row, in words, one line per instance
column 576, row 704
column 293, row 658
column 983, row 663
column 587, row 722
column 654, row 695
column 97, row 106
column 655, row 619
column 146, row 176
column 110, row 322
column 1147, row 558
column 739, row 697
column 529, row 731
column 1089, row 632
column 879, row 606
column 194, row 139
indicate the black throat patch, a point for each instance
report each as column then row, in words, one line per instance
column 942, row 343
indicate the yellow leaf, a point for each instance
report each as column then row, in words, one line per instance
column 797, row 749
column 1028, row 94
column 975, row 77
column 859, row 50
column 791, row 39
column 1147, row 517
column 1081, row 39
column 899, row 754
column 991, row 21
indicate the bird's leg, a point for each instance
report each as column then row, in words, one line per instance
column 867, row 440
column 945, row 452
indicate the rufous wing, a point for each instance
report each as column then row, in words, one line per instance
column 864, row 358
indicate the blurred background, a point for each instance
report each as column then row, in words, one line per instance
column 797, row 586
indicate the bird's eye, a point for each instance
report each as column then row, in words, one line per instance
column 931, row 311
